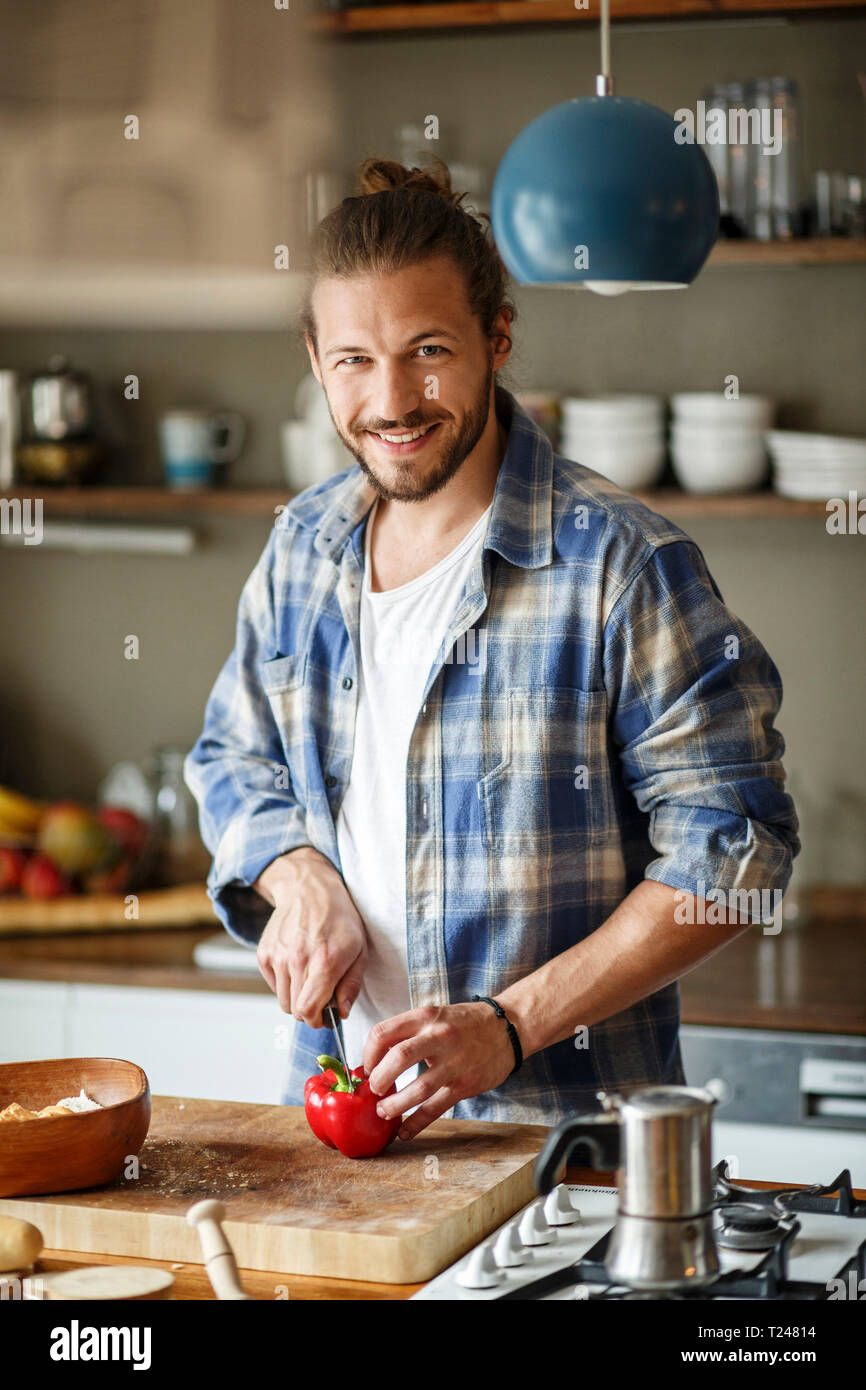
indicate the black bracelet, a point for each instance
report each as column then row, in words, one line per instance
column 509, row 1028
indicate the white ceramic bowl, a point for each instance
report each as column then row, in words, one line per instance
column 712, row 435
column 611, row 409
column 703, row 406
column 626, row 438
column 628, row 468
column 718, row 470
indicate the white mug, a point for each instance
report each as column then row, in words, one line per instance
column 309, row 456
column 191, row 448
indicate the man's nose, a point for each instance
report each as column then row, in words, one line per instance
column 395, row 394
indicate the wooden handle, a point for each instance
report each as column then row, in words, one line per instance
column 205, row 1217
column 20, row 1243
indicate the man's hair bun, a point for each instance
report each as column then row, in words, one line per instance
column 383, row 175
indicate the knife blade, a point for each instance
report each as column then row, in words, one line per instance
column 337, row 1030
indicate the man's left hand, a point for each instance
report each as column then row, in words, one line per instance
column 465, row 1046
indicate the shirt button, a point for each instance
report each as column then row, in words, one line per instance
column 347, row 682
column 330, row 780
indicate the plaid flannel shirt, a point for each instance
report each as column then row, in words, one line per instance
column 595, row 716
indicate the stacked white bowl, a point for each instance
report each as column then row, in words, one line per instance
column 621, row 436
column 817, row 466
column 717, row 443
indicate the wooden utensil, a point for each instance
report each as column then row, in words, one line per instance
column 20, row 1244
column 295, row 1205
column 205, row 1217
column 125, row 1283
column 65, row 1152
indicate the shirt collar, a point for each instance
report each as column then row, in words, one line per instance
column 520, row 521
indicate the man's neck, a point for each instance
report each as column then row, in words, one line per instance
column 409, row 538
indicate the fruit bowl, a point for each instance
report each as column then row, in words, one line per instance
column 64, row 1153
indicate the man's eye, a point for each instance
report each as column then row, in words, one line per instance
column 350, row 360
column 431, row 347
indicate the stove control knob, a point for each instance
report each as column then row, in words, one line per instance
column 534, row 1228
column 720, row 1088
column 481, row 1271
column 509, row 1249
column 558, row 1208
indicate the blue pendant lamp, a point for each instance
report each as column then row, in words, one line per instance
column 598, row 193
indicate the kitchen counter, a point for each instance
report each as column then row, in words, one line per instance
column 808, row 979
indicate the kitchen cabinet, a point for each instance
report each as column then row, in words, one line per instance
column 218, row 1045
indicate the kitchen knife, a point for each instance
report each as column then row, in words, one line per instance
column 337, row 1030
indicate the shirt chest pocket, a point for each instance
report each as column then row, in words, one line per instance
column 550, row 789
column 284, row 684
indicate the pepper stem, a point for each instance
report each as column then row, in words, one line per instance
column 344, row 1082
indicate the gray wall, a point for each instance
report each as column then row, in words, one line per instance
column 70, row 705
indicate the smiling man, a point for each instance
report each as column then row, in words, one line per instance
column 488, row 726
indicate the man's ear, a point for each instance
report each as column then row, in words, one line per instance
column 314, row 361
column 500, row 338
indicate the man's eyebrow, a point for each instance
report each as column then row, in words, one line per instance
column 419, row 337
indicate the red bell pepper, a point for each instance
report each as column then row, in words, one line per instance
column 341, row 1111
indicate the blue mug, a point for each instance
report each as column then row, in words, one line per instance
column 194, row 443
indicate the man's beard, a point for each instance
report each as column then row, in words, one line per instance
column 408, row 489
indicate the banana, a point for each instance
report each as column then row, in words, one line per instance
column 19, row 813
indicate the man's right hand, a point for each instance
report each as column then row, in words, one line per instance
column 314, row 942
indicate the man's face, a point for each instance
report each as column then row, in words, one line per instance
column 408, row 373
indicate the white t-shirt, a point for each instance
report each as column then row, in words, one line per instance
column 401, row 631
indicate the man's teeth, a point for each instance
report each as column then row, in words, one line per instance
column 405, row 438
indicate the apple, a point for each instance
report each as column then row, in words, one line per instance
column 75, row 839
column 128, row 829
column 12, row 862
column 41, row 879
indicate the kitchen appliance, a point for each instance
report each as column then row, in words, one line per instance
column 58, row 425
column 799, row 1244
column 789, row 1104
column 9, row 427
column 659, row 1139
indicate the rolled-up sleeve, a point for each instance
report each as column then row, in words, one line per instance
column 693, row 696
column 236, row 771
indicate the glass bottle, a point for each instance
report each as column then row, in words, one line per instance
column 180, row 855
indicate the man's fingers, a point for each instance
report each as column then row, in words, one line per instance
column 432, row 1110
column 384, row 1035
column 266, row 971
column 399, row 1058
column 350, row 986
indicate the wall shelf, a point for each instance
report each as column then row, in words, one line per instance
column 64, row 294
column 487, row 14
column 142, row 502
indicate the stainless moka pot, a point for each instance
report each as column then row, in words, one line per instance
column 658, row 1139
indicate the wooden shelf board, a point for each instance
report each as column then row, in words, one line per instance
column 263, row 501
column 154, row 501
column 836, row 250
column 463, row 14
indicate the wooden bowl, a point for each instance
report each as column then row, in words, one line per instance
column 67, row 1152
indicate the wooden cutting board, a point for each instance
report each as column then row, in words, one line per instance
column 186, row 905
column 292, row 1204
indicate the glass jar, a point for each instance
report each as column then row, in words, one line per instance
column 180, row 855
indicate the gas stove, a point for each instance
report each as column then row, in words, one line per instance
column 792, row 1244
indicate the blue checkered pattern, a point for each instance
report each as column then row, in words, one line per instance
column 595, row 716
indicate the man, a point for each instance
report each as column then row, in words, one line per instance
column 488, row 727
